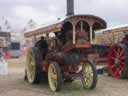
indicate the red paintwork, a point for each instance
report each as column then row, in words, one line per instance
column 69, row 47
column 70, row 68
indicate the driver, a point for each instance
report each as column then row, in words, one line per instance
column 43, row 46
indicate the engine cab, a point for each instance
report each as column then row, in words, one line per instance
column 79, row 30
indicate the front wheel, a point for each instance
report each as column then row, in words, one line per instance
column 89, row 75
column 32, row 71
column 54, row 76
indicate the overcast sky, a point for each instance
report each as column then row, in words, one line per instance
column 18, row 12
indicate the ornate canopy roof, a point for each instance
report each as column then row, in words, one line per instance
column 95, row 21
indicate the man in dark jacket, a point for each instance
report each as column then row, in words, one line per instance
column 43, row 46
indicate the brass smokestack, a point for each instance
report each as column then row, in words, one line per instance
column 70, row 7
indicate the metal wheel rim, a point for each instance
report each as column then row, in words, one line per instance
column 87, row 73
column 30, row 66
column 52, row 77
column 116, row 61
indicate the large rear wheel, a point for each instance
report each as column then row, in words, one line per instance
column 117, row 61
column 54, row 77
column 89, row 75
column 33, row 73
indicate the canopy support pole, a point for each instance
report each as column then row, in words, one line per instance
column 91, row 33
column 74, row 35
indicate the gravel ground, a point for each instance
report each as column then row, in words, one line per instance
column 14, row 85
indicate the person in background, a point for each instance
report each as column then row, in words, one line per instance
column 1, row 54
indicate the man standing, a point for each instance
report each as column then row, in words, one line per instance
column 43, row 46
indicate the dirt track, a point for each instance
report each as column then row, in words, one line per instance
column 14, row 85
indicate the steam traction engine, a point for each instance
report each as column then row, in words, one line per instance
column 118, row 53
column 71, row 56
column 71, row 52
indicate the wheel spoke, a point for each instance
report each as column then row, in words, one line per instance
column 118, row 50
column 122, row 58
column 121, row 68
column 122, row 63
column 121, row 53
column 114, row 50
column 113, row 66
column 86, row 68
column 116, row 73
column 113, row 58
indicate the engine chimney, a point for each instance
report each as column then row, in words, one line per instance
column 70, row 7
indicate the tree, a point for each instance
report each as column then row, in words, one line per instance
column 30, row 24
